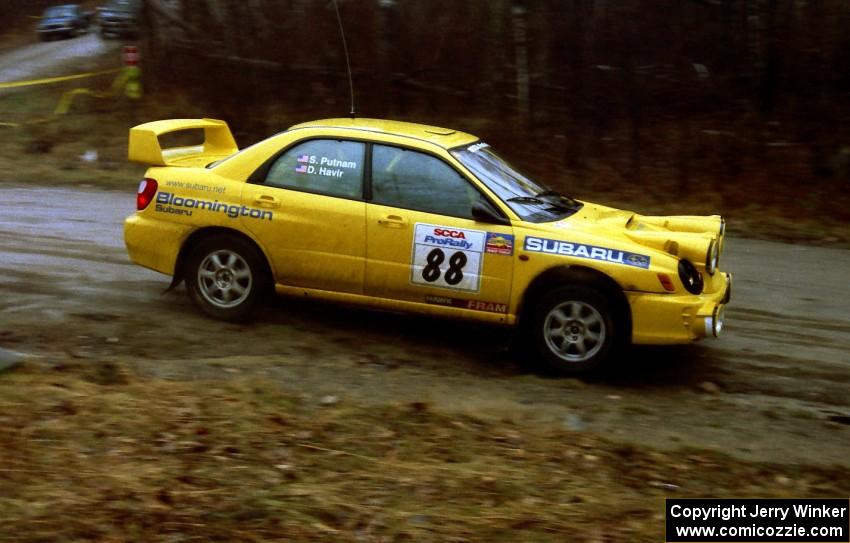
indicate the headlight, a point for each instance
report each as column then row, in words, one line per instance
column 690, row 277
column 712, row 256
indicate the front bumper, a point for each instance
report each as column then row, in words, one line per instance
column 660, row 319
column 56, row 30
column 118, row 27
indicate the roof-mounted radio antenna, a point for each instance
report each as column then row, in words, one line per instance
column 347, row 59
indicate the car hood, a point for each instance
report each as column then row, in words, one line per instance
column 682, row 236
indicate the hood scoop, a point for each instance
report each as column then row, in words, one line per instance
column 711, row 225
column 689, row 237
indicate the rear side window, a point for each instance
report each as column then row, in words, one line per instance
column 331, row 167
column 413, row 180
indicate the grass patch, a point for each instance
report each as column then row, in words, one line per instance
column 48, row 149
column 94, row 452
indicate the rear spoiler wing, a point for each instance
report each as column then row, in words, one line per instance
column 145, row 146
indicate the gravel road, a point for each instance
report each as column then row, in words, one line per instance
column 52, row 58
column 774, row 387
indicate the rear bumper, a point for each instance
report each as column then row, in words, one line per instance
column 154, row 244
column 668, row 319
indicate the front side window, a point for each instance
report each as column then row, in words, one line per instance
column 421, row 182
column 331, row 167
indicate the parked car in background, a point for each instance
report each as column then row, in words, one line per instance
column 119, row 19
column 65, row 21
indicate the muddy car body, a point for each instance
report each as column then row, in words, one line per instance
column 422, row 219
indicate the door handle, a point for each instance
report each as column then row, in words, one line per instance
column 392, row 221
column 265, row 200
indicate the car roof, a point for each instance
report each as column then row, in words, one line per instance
column 444, row 137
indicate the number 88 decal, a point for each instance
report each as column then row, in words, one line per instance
column 454, row 275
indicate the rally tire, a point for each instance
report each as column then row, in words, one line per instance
column 226, row 277
column 572, row 330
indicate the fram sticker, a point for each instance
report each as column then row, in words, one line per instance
column 447, row 257
column 475, row 305
column 499, row 244
column 580, row 250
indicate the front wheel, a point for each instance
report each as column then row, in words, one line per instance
column 225, row 277
column 572, row 330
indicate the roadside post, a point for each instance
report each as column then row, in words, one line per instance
column 132, row 73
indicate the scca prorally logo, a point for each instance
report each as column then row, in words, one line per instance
column 448, row 238
column 580, row 250
column 449, row 233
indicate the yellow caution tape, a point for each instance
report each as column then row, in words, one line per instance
column 67, row 98
column 126, row 77
column 42, row 120
column 49, row 80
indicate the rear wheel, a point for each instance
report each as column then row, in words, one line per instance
column 572, row 330
column 226, row 277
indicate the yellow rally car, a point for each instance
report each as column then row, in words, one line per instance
column 408, row 217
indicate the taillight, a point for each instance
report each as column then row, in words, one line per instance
column 147, row 190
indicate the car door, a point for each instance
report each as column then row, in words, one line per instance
column 423, row 245
column 316, row 235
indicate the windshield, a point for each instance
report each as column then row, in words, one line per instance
column 122, row 5
column 59, row 11
column 529, row 199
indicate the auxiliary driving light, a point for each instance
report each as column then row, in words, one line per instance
column 714, row 323
column 712, row 256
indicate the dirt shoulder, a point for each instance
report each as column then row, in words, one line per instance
column 123, row 456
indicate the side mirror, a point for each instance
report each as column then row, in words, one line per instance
column 483, row 211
